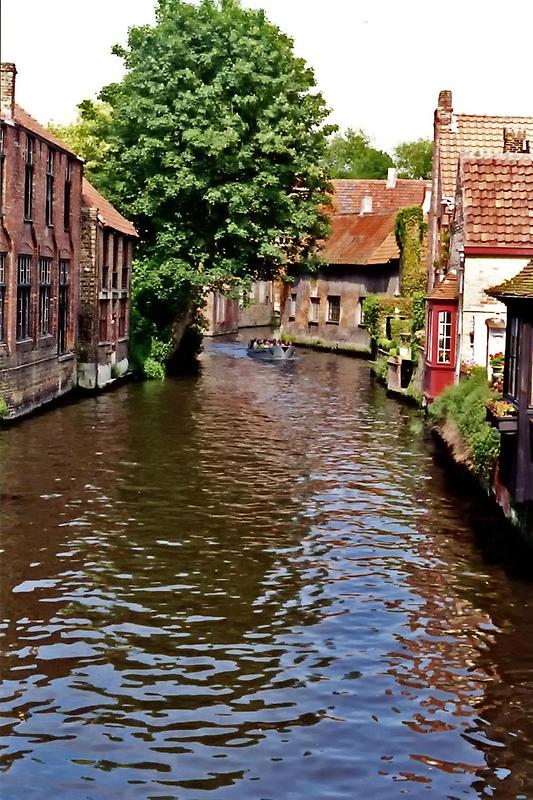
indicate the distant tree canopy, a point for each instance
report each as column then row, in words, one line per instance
column 89, row 138
column 351, row 155
column 414, row 159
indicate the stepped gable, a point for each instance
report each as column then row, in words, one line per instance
column 498, row 201
column 348, row 195
column 91, row 198
column 475, row 135
column 519, row 286
column 362, row 239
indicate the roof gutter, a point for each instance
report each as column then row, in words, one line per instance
column 499, row 251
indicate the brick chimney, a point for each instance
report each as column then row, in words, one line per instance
column 444, row 111
column 392, row 177
column 7, row 90
column 515, row 141
column 366, row 204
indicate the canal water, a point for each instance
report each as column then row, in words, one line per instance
column 259, row 582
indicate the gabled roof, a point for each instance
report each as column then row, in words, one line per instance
column 349, row 194
column 24, row 119
column 498, row 201
column 520, row 286
column 366, row 239
column 446, row 289
column 109, row 215
column 474, row 135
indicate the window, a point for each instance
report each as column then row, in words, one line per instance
column 102, row 320
column 45, row 270
column 220, row 308
column 512, row 358
column 68, row 193
column 28, row 177
column 63, row 305
column 123, row 305
column 23, row 297
column 292, row 307
column 314, row 309
column 114, row 279
column 444, row 340
column 2, row 297
column 2, row 158
column 105, row 262
column 49, row 204
column 334, row 308
column 124, row 278
column 360, row 312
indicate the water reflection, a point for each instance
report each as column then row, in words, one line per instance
column 255, row 581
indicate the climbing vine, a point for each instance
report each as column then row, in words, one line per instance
column 410, row 232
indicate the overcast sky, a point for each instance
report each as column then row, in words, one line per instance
column 379, row 63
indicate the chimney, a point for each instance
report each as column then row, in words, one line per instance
column 426, row 205
column 366, row 204
column 7, row 90
column 392, row 177
column 444, row 111
column 515, row 141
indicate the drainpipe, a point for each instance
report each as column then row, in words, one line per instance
column 460, row 304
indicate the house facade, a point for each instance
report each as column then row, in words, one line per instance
column 40, row 197
column 457, row 135
column 490, row 240
column 361, row 257
column 225, row 314
column 107, row 242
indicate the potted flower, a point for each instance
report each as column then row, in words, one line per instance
column 502, row 415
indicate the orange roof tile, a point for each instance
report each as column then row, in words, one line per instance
column 349, row 194
column 109, row 214
column 498, row 201
column 27, row 121
column 519, row 286
column 366, row 239
column 446, row 289
column 475, row 135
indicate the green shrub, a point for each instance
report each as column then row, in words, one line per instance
column 153, row 370
column 3, row 408
column 466, row 405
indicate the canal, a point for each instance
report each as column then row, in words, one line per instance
column 260, row 582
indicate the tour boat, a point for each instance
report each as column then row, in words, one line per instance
column 274, row 352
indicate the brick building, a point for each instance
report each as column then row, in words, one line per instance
column 107, row 240
column 361, row 257
column 40, row 196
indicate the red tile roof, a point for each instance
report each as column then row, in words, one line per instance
column 109, row 214
column 349, row 194
column 498, row 201
column 446, row 289
column 27, row 121
column 366, row 239
column 519, row 286
column 474, row 135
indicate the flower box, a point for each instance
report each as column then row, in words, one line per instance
column 505, row 423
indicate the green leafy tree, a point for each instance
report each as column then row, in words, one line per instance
column 414, row 159
column 217, row 139
column 89, row 138
column 352, row 156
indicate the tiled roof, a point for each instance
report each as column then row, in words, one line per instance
column 474, row 135
column 349, row 194
column 519, row 286
column 498, row 201
column 109, row 214
column 27, row 121
column 366, row 239
column 446, row 289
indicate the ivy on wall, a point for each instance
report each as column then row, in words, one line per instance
column 411, row 230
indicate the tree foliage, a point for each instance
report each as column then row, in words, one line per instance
column 89, row 137
column 414, row 159
column 352, row 156
column 217, row 137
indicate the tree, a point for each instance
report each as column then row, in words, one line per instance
column 352, row 156
column 89, row 138
column 217, row 137
column 414, row 159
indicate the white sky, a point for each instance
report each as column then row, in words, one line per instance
column 379, row 63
